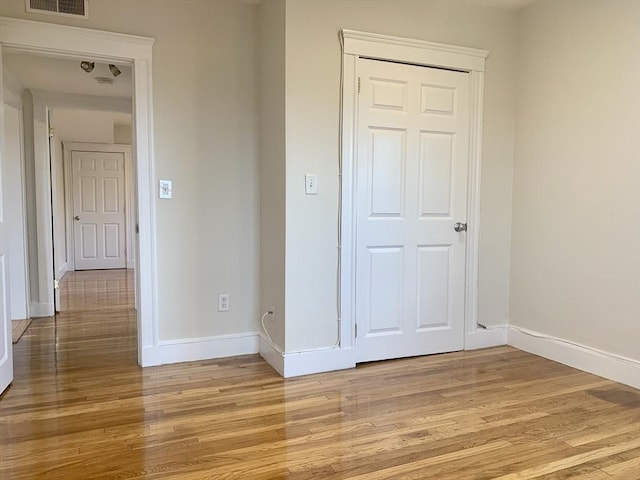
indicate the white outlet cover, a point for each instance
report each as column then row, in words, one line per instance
column 311, row 184
column 223, row 302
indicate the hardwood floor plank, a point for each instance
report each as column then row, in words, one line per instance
column 80, row 408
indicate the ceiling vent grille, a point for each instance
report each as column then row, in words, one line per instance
column 74, row 8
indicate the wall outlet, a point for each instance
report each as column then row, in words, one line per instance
column 223, row 302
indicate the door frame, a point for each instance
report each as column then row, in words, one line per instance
column 356, row 44
column 79, row 43
column 129, row 220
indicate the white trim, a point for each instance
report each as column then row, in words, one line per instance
column 316, row 361
column 38, row 310
column 307, row 362
column 588, row 359
column 64, row 268
column 481, row 338
column 204, row 348
column 74, row 42
column 347, row 202
column 271, row 355
column 418, row 52
column 68, row 148
column 476, row 80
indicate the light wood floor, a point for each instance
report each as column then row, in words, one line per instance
column 80, row 408
column 18, row 327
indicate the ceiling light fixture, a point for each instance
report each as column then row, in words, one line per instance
column 115, row 71
column 87, row 66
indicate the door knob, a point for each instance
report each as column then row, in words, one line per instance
column 460, row 227
column 78, row 218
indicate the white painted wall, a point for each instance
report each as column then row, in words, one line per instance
column 122, row 133
column 86, row 125
column 13, row 171
column 205, row 134
column 30, row 202
column 576, row 207
column 313, row 63
column 271, row 41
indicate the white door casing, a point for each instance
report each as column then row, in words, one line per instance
column 98, row 187
column 14, row 213
column 74, row 42
column 6, row 348
column 357, row 45
column 411, row 177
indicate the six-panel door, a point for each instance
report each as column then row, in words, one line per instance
column 411, row 174
column 98, row 206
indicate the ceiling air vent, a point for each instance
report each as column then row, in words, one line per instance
column 74, row 8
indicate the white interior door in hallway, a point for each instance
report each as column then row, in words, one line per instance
column 6, row 350
column 411, row 176
column 98, row 209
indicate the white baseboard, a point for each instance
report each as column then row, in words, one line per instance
column 481, row 338
column 37, row 310
column 604, row 364
column 294, row 364
column 307, row 362
column 205, row 348
column 64, row 268
column 271, row 355
column 318, row 361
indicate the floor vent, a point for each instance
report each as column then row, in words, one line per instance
column 74, row 8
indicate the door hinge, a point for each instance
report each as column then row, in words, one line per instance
column 52, row 133
column 356, row 330
column 56, row 284
column 358, row 84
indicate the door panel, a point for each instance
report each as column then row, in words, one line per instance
column 99, row 225
column 411, row 174
column 6, row 350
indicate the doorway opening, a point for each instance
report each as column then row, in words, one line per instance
column 84, row 45
column 87, row 126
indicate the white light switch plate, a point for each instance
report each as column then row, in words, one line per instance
column 310, row 184
column 166, row 189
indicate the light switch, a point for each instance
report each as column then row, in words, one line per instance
column 166, row 189
column 310, row 184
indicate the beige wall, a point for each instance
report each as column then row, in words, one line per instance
column 576, row 209
column 30, row 195
column 122, row 133
column 313, row 65
column 86, row 125
column 271, row 91
column 206, row 142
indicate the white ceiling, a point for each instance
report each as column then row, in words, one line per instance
column 64, row 75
